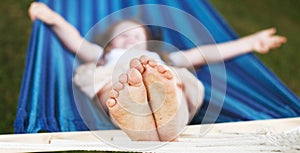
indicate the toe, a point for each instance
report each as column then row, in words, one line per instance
column 111, row 103
column 144, row 59
column 134, row 77
column 152, row 63
column 161, row 69
column 168, row 74
column 123, row 78
column 118, row 86
column 136, row 63
column 164, row 71
column 114, row 94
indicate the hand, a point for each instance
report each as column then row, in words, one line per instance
column 38, row 10
column 265, row 40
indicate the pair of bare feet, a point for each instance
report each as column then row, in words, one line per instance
column 145, row 102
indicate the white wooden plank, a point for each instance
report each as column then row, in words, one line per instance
column 280, row 135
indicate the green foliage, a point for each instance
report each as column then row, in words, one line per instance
column 245, row 16
column 248, row 16
column 15, row 30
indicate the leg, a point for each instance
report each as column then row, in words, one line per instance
column 166, row 99
column 128, row 107
column 193, row 90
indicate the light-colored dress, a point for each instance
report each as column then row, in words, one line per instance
column 90, row 78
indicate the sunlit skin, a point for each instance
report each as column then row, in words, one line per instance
column 128, row 38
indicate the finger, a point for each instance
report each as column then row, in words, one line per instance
column 279, row 39
column 275, row 42
column 271, row 31
column 283, row 39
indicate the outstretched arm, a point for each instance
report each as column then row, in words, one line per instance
column 261, row 42
column 67, row 34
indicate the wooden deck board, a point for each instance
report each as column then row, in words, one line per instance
column 278, row 135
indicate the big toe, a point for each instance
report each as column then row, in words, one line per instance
column 136, row 63
column 134, row 77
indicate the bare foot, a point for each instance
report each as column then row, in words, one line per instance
column 168, row 104
column 129, row 108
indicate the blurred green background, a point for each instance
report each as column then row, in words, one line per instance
column 244, row 16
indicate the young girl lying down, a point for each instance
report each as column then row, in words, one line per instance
column 149, row 101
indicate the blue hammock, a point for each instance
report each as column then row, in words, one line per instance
column 47, row 97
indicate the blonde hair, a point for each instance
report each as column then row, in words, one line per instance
column 105, row 39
